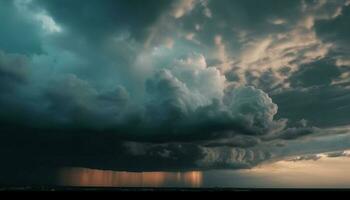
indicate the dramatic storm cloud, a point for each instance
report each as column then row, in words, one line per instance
column 172, row 85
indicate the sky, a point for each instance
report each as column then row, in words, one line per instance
column 173, row 85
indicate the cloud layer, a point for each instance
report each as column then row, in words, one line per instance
column 183, row 85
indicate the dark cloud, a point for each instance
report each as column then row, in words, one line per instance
column 19, row 33
column 256, row 12
column 294, row 133
column 13, row 71
column 236, row 141
column 14, row 77
column 336, row 30
column 319, row 73
column 321, row 106
column 74, row 102
column 96, row 20
column 105, row 151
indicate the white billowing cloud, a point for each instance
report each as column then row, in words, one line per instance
column 255, row 108
column 191, row 91
column 169, row 97
column 189, row 82
column 195, row 73
column 239, row 100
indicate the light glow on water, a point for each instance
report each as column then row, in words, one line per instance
column 100, row 178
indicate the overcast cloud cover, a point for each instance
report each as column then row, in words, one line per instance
column 172, row 85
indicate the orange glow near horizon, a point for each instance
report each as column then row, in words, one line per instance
column 100, row 178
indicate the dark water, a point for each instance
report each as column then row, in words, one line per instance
column 100, row 178
column 83, row 177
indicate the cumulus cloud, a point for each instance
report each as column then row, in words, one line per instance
column 255, row 108
column 192, row 76
column 187, row 103
column 189, row 99
column 186, row 99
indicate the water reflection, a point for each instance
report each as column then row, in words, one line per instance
column 100, row 178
